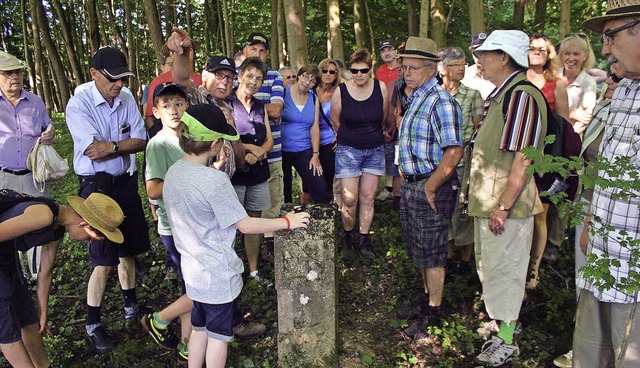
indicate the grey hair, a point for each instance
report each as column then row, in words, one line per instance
column 452, row 53
column 285, row 68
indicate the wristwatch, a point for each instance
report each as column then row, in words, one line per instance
column 501, row 207
column 316, row 153
column 115, row 147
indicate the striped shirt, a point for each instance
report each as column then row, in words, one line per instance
column 621, row 139
column 432, row 123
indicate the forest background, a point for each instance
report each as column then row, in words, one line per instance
column 56, row 38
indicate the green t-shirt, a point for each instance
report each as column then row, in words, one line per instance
column 163, row 150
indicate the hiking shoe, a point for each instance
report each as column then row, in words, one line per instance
column 565, row 360
column 365, row 248
column 182, row 357
column 385, row 195
column 419, row 329
column 247, row 330
column 100, row 341
column 163, row 337
column 496, row 353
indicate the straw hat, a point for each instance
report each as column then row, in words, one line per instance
column 102, row 213
column 9, row 62
column 615, row 9
column 420, row 48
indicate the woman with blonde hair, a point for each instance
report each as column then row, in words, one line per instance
column 576, row 56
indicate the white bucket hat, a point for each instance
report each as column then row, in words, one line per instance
column 513, row 43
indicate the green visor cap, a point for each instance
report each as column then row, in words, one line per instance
column 200, row 133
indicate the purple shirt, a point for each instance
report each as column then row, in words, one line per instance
column 20, row 127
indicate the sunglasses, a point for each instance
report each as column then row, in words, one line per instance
column 290, row 77
column 355, row 71
column 332, row 72
column 111, row 80
column 613, row 77
column 607, row 36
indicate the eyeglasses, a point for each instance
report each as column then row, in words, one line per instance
column 332, row 72
column 8, row 73
column 613, row 77
column 412, row 69
column 607, row 36
column 309, row 77
column 355, row 71
column 290, row 77
column 542, row 50
column 111, row 80
column 458, row 65
column 221, row 76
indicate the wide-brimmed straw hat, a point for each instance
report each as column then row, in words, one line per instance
column 615, row 9
column 9, row 62
column 420, row 48
column 101, row 212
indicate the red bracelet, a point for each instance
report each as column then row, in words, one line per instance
column 288, row 223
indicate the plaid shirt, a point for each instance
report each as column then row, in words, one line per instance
column 471, row 104
column 432, row 123
column 621, row 139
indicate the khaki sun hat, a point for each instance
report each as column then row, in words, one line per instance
column 101, row 212
column 615, row 9
column 9, row 62
column 420, row 48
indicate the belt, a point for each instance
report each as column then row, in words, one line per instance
column 16, row 172
column 417, row 177
column 114, row 179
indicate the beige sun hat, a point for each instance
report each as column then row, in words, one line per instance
column 9, row 62
column 514, row 43
column 420, row 48
column 615, row 9
column 101, row 212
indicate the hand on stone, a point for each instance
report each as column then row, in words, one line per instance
column 298, row 220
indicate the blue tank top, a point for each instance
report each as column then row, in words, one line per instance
column 295, row 124
column 327, row 135
column 361, row 121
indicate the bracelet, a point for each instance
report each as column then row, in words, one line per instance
column 288, row 223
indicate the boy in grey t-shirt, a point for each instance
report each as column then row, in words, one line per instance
column 204, row 213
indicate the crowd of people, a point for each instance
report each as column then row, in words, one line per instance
column 221, row 148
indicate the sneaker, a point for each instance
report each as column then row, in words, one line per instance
column 171, row 274
column 100, row 341
column 247, row 330
column 564, row 361
column 496, row 353
column 163, row 337
column 384, row 195
column 419, row 329
column 182, row 357
column 136, row 312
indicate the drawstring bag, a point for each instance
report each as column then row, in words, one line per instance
column 46, row 164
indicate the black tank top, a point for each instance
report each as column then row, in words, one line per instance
column 361, row 121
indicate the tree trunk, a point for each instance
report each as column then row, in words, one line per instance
column 42, row 87
column 54, row 57
column 424, row 18
column 412, row 13
column 539, row 18
column 565, row 18
column 295, row 33
column 134, row 83
column 208, row 29
column 68, row 43
column 476, row 16
column 223, row 30
column 228, row 27
column 104, row 39
column 275, row 55
column 170, row 16
column 372, row 42
column 155, row 30
column 336, row 44
column 518, row 13
column 438, row 22
column 357, row 23
column 93, row 24
column 116, row 30
column 25, row 45
column 283, row 53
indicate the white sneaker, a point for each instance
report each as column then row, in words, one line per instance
column 564, row 361
column 496, row 353
column 384, row 195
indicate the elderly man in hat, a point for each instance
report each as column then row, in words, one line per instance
column 603, row 319
column 502, row 197
column 106, row 128
column 430, row 149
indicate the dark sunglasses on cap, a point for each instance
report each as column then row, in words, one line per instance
column 363, row 70
column 111, row 80
column 332, row 72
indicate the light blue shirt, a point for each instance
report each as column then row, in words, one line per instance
column 89, row 117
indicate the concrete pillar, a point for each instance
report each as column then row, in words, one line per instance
column 307, row 291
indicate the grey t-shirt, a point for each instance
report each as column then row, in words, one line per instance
column 203, row 208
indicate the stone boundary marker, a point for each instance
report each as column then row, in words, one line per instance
column 305, row 276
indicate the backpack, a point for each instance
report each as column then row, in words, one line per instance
column 567, row 142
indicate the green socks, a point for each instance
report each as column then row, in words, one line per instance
column 160, row 323
column 506, row 332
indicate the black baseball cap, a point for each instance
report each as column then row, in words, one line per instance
column 220, row 62
column 111, row 62
column 164, row 88
column 257, row 37
column 386, row 43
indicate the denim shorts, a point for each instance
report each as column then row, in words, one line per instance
column 353, row 162
column 216, row 319
column 254, row 197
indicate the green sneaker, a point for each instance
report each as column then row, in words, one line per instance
column 182, row 354
column 163, row 337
